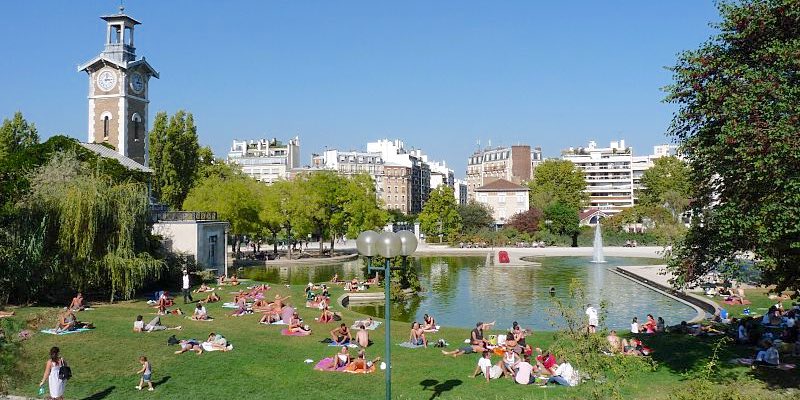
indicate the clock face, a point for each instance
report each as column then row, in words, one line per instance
column 137, row 82
column 106, row 80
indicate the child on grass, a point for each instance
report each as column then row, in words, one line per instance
column 146, row 372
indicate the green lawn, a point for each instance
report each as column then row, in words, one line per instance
column 265, row 364
column 760, row 303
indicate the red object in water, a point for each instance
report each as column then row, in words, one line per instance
column 502, row 256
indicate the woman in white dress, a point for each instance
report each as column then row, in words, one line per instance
column 51, row 369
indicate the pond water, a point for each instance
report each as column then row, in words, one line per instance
column 461, row 290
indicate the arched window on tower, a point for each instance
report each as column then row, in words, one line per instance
column 105, row 127
column 137, row 126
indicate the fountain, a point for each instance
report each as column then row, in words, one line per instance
column 597, row 255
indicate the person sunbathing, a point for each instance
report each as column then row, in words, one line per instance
column 336, row 279
column 77, row 303
column 153, row 325
column 341, row 335
column 362, row 336
column 217, row 341
column 233, row 281
column 261, row 305
column 241, row 306
column 468, row 349
column 360, row 363
column 476, row 335
column 326, row 316
column 66, row 321
column 4, row 314
column 269, row 318
column 203, row 288
column 189, row 345
column 417, row 335
column 296, row 325
column 369, row 322
column 211, row 298
column 221, row 280
column 428, row 323
column 614, row 343
column 341, row 359
column 200, row 313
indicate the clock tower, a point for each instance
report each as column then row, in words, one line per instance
column 118, row 91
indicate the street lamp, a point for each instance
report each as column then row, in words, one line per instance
column 387, row 245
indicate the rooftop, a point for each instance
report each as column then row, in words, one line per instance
column 501, row 185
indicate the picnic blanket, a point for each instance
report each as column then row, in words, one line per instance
column 736, row 302
column 209, row 319
column 749, row 362
column 285, row 332
column 54, row 331
column 326, row 364
column 375, row 325
column 234, row 305
column 410, row 345
column 208, row 347
column 273, row 323
column 433, row 330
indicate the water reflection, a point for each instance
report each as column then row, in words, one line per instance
column 461, row 290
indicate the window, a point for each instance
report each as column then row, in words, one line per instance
column 212, row 250
column 137, row 126
column 501, row 198
column 105, row 127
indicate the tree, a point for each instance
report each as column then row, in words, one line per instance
column 174, row 157
column 324, row 193
column 526, row 221
column 558, row 181
column 439, row 216
column 362, row 208
column 16, row 134
column 666, row 184
column 737, row 124
column 475, row 216
column 563, row 220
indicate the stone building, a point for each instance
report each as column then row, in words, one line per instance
column 512, row 163
column 505, row 198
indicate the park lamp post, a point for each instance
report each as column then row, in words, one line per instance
column 387, row 245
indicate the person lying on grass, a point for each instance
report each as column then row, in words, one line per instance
column 269, row 318
column 486, row 368
column 469, row 349
column 77, row 303
column 4, row 314
column 261, row 305
column 417, row 335
column 211, row 298
column 200, row 313
column 296, row 325
column 341, row 335
column 189, row 345
column 203, row 288
column 153, row 325
column 217, row 341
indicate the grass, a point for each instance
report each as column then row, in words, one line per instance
column 265, row 364
column 760, row 303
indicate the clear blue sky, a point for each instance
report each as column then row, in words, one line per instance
column 439, row 75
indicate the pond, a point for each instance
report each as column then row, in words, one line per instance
column 461, row 290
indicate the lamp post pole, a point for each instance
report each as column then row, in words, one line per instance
column 387, row 316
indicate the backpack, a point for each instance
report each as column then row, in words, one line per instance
column 64, row 373
column 172, row 340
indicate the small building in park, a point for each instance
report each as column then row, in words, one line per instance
column 505, row 198
column 199, row 235
column 592, row 216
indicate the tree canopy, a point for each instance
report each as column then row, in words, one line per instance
column 558, row 181
column 527, row 221
column 475, row 216
column 175, row 157
column 738, row 118
column 666, row 184
column 439, row 216
column 562, row 219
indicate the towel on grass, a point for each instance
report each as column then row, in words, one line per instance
column 326, row 364
column 285, row 332
column 208, row 347
column 410, row 345
column 331, row 343
column 375, row 325
column 54, row 331
column 209, row 319
column 234, row 305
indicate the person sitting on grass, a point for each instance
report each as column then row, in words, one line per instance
column 525, row 372
column 545, row 362
column 336, row 279
column 417, row 335
column 200, row 313
column 203, row 288
column 341, row 359
column 189, row 345
column 486, row 368
column 66, row 322
column 614, row 343
column 153, row 325
column 428, row 323
column 650, row 325
column 296, row 325
column 77, row 303
column 327, row 316
column 769, row 356
column 635, row 325
column 519, row 334
column 565, row 375
column 661, row 326
column 476, row 335
column 509, row 362
column 341, row 335
column 233, row 281
column 221, row 280
column 634, row 347
column 362, row 336
column 241, row 305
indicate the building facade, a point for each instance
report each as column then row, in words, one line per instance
column 505, row 198
column 460, row 191
column 396, row 187
column 119, row 88
column 266, row 160
column 511, row 163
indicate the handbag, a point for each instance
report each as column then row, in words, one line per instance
column 64, row 373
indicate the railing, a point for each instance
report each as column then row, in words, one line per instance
column 184, row 216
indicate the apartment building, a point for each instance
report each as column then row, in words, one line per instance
column 511, row 163
column 396, row 187
column 505, row 198
column 266, row 160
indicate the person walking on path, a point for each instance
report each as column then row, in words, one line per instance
column 55, row 384
column 146, row 372
column 186, row 292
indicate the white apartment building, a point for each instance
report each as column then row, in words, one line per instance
column 613, row 173
column 266, row 160
column 505, row 199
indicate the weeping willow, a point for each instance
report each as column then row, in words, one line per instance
column 101, row 232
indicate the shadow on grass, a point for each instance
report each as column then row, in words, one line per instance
column 162, row 381
column 439, row 388
column 101, row 394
